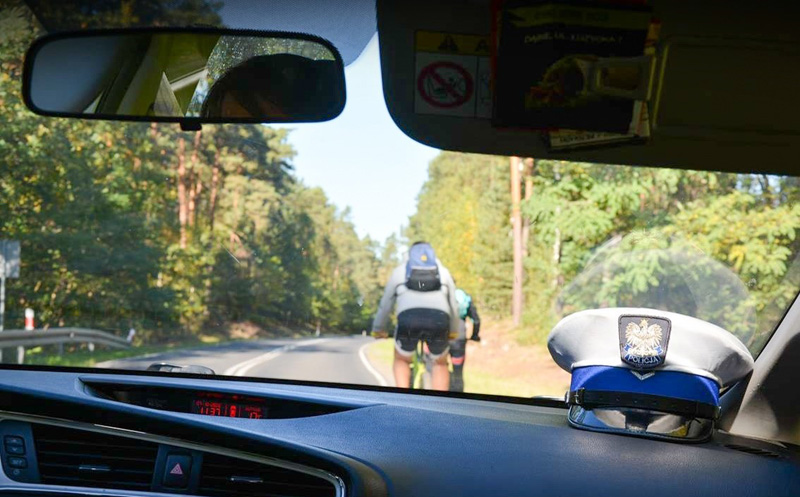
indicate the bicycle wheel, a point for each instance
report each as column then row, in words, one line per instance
column 418, row 369
column 427, row 378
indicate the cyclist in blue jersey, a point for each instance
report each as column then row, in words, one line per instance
column 458, row 346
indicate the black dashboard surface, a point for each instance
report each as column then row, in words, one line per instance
column 427, row 445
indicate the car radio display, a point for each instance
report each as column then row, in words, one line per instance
column 229, row 408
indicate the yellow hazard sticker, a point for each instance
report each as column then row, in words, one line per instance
column 452, row 43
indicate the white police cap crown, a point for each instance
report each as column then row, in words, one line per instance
column 596, row 337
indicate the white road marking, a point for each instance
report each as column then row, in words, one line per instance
column 363, row 356
column 242, row 368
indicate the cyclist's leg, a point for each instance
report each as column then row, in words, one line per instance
column 406, row 336
column 440, row 376
column 458, row 354
column 436, row 335
column 402, row 369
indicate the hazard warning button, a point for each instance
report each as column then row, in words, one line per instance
column 177, row 471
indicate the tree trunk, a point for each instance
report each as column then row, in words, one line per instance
column 234, row 237
column 557, row 253
column 335, row 277
column 198, row 190
column 557, row 279
column 212, row 201
column 190, row 207
column 526, row 223
column 182, row 207
column 516, row 224
column 193, row 190
column 766, row 189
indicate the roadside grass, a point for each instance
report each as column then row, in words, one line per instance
column 381, row 352
column 477, row 381
column 81, row 356
column 480, row 380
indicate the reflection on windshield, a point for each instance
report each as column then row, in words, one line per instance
column 625, row 272
column 205, row 248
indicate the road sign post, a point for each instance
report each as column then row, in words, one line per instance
column 29, row 317
column 29, row 326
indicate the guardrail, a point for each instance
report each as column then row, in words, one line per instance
column 51, row 336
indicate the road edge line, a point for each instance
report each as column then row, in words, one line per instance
column 374, row 372
column 243, row 367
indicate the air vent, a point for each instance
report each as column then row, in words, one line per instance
column 228, row 477
column 754, row 450
column 89, row 459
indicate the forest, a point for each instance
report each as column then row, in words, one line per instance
column 177, row 233
column 721, row 247
column 137, row 225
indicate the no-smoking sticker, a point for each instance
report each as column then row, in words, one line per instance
column 445, row 84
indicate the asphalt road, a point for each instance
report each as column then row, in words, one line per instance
column 330, row 359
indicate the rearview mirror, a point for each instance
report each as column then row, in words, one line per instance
column 189, row 76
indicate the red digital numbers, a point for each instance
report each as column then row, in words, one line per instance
column 209, row 408
column 253, row 412
column 227, row 409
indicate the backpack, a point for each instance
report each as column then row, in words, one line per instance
column 464, row 301
column 422, row 272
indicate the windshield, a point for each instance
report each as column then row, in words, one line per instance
column 266, row 251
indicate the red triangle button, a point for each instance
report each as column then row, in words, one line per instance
column 177, row 470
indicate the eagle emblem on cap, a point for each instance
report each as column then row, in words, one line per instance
column 643, row 340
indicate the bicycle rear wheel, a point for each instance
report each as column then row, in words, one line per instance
column 416, row 364
column 427, row 378
column 420, row 374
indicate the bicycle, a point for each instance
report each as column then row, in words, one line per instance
column 420, row 370
column 421, row 378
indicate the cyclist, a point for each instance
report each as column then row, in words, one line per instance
column 427, row 310
column 458, row 346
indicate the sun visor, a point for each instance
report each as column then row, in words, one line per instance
column 701, row 85
column 715, row 87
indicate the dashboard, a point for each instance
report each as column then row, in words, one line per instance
column 224, row 403
column 135, row 434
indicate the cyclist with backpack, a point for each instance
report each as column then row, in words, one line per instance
column 458, row 346
column 424, row 292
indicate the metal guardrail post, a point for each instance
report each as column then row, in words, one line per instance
column 60, row 336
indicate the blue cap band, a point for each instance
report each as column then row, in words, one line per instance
column 664, row 383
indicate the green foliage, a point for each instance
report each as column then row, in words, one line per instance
column 173, row 233
column 463, row 212
column 125, row 13
column 721, row 247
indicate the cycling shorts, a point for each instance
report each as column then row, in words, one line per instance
column 432, row 326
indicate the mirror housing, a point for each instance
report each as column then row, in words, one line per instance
column 190, row 76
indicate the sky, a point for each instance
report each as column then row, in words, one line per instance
column 361, row 159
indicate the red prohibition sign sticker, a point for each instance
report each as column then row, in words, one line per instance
column 445, row 84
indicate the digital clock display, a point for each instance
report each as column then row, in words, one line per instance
column 229, row 408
